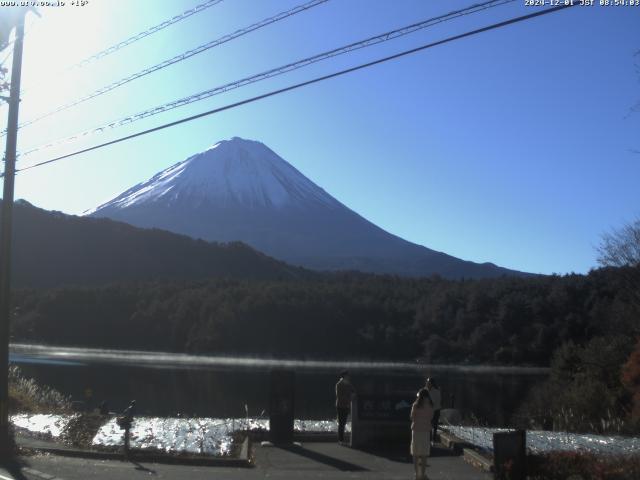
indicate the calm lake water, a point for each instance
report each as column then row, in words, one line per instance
column 165, row 384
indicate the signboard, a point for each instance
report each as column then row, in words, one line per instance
column 281, row 406
column 392, row 408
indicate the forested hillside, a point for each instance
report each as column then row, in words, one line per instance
column 51, row 249
column 506, row 321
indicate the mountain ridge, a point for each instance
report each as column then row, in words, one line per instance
column 52, row 249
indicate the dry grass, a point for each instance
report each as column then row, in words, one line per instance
column 27, row 396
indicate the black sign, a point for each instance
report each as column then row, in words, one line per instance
column 281, row 406
column 395, row 408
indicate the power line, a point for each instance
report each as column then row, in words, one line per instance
column 305, row 83
column 384, row 37
column 145, row 33
column 179, row 58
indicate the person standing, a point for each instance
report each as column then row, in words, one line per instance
column 421, row 415
column 436, row 398
column 344, row 393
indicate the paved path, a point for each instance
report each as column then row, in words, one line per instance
column 323, row 461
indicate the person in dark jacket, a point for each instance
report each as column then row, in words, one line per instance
column 436, row 397
column 344, row 393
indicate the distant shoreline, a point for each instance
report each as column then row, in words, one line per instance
column 57, row 354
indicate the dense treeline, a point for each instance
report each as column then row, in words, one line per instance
column 507, row 320
column 583, row 326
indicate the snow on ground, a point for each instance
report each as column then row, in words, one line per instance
column 209, row 436
column 317, row 426
column 544, row 441
column 42, row 424
column 214, row 436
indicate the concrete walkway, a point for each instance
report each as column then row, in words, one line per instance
column 324, row 461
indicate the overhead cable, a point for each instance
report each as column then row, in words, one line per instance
column 178, row 58
column 303, row 84
column 145, row 33
column 384, row 37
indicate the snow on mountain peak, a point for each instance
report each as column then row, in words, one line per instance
column 231, row 171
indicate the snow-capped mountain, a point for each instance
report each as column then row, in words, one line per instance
column 241, row 190
column 230, row 173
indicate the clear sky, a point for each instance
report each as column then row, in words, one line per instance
column 515, row 146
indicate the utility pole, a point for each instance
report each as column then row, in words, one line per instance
column 5, row 239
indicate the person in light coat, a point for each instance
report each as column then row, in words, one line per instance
column 421, row 415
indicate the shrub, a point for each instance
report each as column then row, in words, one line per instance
column 25, row 395
column 585, row 392
column 631, row 380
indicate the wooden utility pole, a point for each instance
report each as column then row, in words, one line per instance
column 5, row 238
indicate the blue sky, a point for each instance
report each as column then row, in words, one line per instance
column 515, row 146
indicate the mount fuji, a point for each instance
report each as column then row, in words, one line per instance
column 241, row 190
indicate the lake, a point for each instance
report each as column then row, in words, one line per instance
column 167, row 384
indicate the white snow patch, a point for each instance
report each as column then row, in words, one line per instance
column 42, row 424
column 172, row 435
column 543, row 441
column 208, row 436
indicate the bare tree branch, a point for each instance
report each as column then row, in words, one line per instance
column 621, row 248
